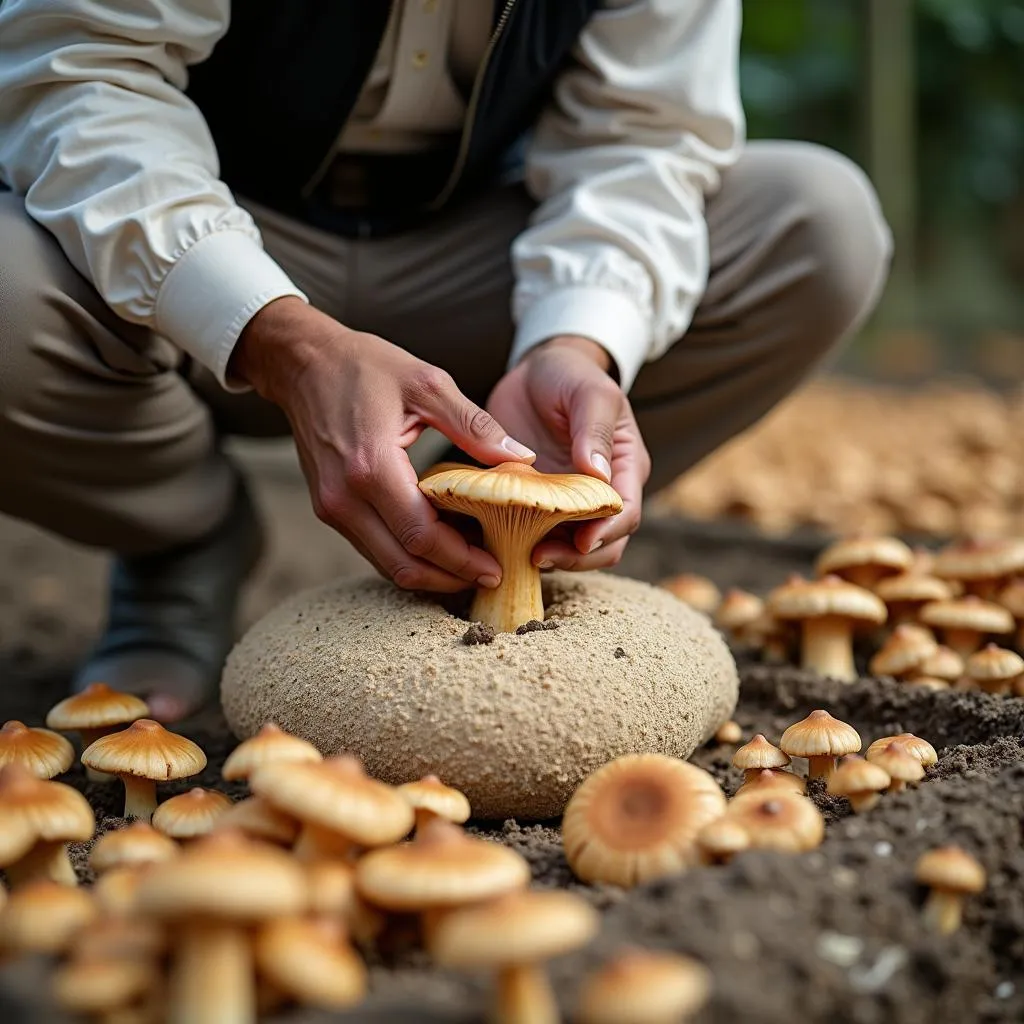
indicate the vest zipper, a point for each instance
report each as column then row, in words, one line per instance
column 474, row 99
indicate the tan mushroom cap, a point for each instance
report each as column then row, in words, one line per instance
column 55, row 812
column 980, row 559
column 766, row 778
column 994, row 664
column 820, row 735
column 42, row 917
column 431, row 794
column 224, row 876
column 885, row 554
column 721, row 839
column 17, row 835
column 828, row 596
column 96, row 707
column 258, row 819
column 912, row 588
column 904, row 649
column 897, row 760
column 737, row 610
column 950, row 869
column 98, row 987
column 855, row 775
column 42, row 752
column 967, row 613
column 775, row 819
column 337, row 795
column 645, row 987
column 117, row 889
column 119, row 938
column 518, row 928
column 637, row 818
column 914, row 745
column 441, row 867
column 759, row 753
column 191, row 814
column 697, row 591
column 138, row 843
column 145, row 750
column 1011, row 597
column 930, row 683
column 943, row 663
column 270, row 744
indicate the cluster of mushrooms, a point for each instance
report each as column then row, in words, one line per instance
column 209, row 911
column 841, row 456
column 938, row 620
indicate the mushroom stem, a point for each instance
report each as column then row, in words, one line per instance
column 896, row 786
column 88, row 738
column 964, row 641
column 524, row 996
column 828, row 647
column 518, row 598
column 861, row 802
column 942, row 911
column 316, row 843
column 423, row 817
column 47, row 860
column 820, row 766
column 213, row 980
column 866, row 576
column 139, row 797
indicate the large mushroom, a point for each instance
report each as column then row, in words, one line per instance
column 516, row 507
column 965, row 621
column 40, row 751
column 865, row 559
column 982, row 565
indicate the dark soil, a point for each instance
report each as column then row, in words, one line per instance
column 831, row 936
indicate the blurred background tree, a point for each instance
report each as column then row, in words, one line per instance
column 928, row 95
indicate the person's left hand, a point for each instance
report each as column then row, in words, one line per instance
column 561, row 401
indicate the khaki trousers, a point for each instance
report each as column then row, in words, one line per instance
column 110, row 438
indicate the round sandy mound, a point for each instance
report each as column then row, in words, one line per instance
column 516, row 724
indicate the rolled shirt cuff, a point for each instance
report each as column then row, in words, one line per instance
column 213, row 291
column 609, row 317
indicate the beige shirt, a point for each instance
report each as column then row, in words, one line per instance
column 113, row 159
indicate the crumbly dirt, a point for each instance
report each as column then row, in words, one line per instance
column 831, row 936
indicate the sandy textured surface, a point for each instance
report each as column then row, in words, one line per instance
column 517, row 723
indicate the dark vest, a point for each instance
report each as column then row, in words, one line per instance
column 280, row 85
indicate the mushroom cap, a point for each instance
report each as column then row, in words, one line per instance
column 775, row 819
column 951, row 869
column 820, row 735
column 331, row 886
column 518, row 928
column 737, row 609
column 17, row 836
column 968, row 612
column 98, row 986
column 117, row 889
column 897, row 760
column 644, row 987
column 145, row 750
column 271, row 743
column 831, row 596
column 1011, row 597
column 138, row 843
column 766, row 778
column 759, row 753
column 994, row 664
column 191, row 814
column 336, row 794
column 96, row 707
column 311, row 961
column 905, row 648
column 930, row 683
column 226, row 876
column 856, row 775
column 54, row 812
column 42, row 752
column 723, row 837
column 431, row 794
column 559, row 496
column 888, row 554
column 441, row 867
column 914, row 745
column 258, row 819
column 980, row 559
column 42, row 917
column 913, row 586
column 697, row 591
column 119, row 937
column 637, row 818
column 942, row 663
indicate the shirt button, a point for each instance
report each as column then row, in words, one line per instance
column 419, row 60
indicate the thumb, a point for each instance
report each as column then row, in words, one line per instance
column 444, row 407
column 592, row 420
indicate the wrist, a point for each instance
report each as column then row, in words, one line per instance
column 586, row 347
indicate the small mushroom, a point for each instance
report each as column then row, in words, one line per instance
column 951, row 874
column 942, row 663
column 137, row 844
column 777, row 820
column 43, row 917
column 140, row 756
column 333, row 897
column 259, row 819
column 270, row 744
column 191, row 814
column 645, row 987
column 982, row 565
column 903, row 651
column 103, row 988
column 828, row 610
column 94, row 712
column 864, row 560
column 698, row 592
column 637, row 818
column 431, row 798
column 739, row 615
column 759, row 754
column 765, row 778
column 729, row 733
column 929, row 683
column 516, row 507
column 995, row 669
column 914, row 745
column 901, row 765
column 720, row 840
column 906, row 594
column 117, row 889
column 515, row 934
column 821, row 739
column 965, row 621
column 860, row 781
column 41, row 752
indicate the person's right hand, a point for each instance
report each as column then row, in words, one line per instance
column 355, row 403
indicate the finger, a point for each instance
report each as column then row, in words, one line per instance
column 435, row 396
column 593, row 415
column 556, row 554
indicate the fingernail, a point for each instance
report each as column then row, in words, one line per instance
column 488, row 581
column 520, row 451
column 545, row 563
column 593, row 547
column 600, row 463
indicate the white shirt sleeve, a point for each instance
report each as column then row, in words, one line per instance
column 119, row 165
column 639, row 128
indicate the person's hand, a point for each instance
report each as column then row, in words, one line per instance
column 561, row 401
column 355, row 403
